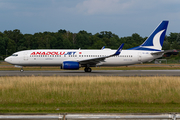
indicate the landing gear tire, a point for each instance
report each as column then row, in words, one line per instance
column 87, row 69
column 21, row 70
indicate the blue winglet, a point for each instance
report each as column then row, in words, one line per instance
column 102, row 47
column 119, row 50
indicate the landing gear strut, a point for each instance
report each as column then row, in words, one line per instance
column 87, row 69
column 21, row 70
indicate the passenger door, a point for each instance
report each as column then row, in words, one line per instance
column 25, row 56
column 139, row 56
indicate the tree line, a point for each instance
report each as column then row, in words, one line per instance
column 13, row 40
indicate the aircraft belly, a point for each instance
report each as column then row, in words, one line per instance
column 119, row 61
column 45, row 62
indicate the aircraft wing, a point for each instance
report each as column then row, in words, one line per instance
column 101, row 59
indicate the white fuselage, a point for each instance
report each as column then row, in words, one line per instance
column 55, row 57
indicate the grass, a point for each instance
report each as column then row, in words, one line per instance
column 89, row 94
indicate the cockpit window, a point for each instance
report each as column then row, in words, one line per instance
column 14, row 55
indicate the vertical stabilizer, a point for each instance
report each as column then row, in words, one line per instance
column 155, row 41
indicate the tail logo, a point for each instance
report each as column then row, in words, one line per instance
column 156, row 41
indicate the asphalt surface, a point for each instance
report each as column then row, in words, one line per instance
column 94, row 73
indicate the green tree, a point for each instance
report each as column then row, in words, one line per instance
column 166, row 45
column 15, row 35
column 67, row 44
column 53, row 43
column 99, row 44
column 1, row 34
column 94, row 40
column 11, row 47
column 172, row 37
column 3, row 45
column 175, row 45
column 59, row 43
column 27, row 41
column 82, row 40
column 62, row 31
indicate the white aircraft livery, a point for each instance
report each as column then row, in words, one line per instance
column 71, row 59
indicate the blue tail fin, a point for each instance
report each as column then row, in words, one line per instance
column 155, row 41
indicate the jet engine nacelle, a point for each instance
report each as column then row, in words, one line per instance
column 70, row 65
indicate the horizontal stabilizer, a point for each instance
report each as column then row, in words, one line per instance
column 162, row 52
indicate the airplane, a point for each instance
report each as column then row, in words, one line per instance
column 73, row 59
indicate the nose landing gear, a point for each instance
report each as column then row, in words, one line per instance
column 21, row 70
column 87, row 69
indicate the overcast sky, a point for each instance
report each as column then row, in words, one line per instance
column 121, row 17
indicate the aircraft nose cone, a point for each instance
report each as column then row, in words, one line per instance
column 7, row 60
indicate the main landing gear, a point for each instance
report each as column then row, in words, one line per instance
column 21, row 70
column 87, row 69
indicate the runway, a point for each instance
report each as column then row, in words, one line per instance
column 94, row 73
